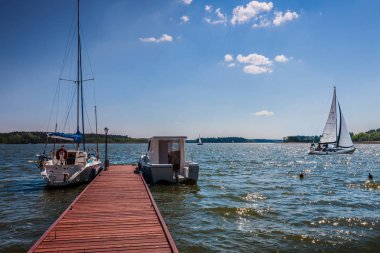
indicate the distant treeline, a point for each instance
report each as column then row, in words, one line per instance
column 371, row 135
column 40, row 137
column 233, row 140
column 301, row 138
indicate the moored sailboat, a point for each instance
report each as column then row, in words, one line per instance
column 66, row 167
column 335, row 138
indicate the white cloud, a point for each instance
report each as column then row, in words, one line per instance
column 220, row 18
column 253, row 59
column 208, row 8
column 252, row 63
column 281, row 58
column 263, row 23
column 282, row 18
column 264, row 113
column 185, row 19
column 186, row 1
column 219, row 14
column 163, row 38
column 243, row 14
column 214, row 22
column 228, row 58
column 255, row 69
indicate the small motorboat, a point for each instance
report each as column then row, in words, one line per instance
column 165, row 161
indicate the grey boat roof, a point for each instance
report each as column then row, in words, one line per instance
column 168, row 137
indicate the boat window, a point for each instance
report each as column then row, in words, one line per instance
column 71, row 158
column 174, row 152
column 174, row 146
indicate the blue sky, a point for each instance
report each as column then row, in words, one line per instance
column 254, row 69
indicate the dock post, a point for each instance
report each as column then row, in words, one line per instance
column 106, row 162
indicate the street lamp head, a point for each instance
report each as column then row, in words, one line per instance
column 106, row 130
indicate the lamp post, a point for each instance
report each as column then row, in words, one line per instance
column 106, row 162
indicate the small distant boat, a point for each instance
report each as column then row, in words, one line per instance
column 335, row 138
column 200, row 141
column 166, row 162
column 67, row 167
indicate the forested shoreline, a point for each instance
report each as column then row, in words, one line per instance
column 40, row 137
column 34, row 137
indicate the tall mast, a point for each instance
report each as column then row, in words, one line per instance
column 336, row 118
column 80, row 83
column 81, row 93
column 78, row 68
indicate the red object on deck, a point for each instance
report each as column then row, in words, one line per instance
column 115, row 212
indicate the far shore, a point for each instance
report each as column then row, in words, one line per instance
column 355, row 142
column 366, row 142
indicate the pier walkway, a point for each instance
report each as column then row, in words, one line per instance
column 115, row 212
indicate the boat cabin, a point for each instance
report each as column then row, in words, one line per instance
column 166, row 161
column 167, row 150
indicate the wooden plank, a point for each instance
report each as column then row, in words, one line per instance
column 115, row 212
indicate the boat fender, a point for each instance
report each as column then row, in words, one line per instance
column 61, row 152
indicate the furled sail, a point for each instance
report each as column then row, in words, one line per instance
column 344, row 139
column 329, row 132
column 68, row 137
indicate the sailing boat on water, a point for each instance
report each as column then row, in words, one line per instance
column 66, row 167
column 200, row 140
column 335, row 138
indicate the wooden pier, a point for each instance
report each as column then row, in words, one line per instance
column 115, row 212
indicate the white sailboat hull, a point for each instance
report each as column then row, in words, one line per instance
column 76, row 168
column 63, row 175
column 332, row 151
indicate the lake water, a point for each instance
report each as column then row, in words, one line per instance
column 249, row 198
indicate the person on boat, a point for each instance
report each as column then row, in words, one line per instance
column 61, row 154
column 319, row 146
column 174, row 160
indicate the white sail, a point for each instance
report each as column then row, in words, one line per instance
column 329, row 132
column 344, row 139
